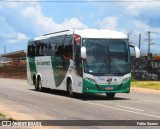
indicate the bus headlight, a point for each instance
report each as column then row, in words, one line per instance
column 90, row 79
column 126, row 79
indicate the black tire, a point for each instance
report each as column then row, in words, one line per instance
column 70, row 89
column 110, row 95
column 38, row 86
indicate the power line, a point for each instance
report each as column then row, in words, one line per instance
column 81, row 1
column 155, row 32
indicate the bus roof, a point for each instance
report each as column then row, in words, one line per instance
column 87, row 33
column 94, row 33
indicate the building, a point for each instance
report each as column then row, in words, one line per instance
column 14, row 58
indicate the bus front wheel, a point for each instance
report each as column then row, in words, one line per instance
column 38, row 86
column 110, row 95
column 70, row 89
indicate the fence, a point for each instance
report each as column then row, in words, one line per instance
column 143, row 69
column 18, row 72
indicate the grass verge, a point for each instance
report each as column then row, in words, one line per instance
column 2, row 115
column 155, row 85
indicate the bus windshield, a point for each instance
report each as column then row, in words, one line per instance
column 106, row 56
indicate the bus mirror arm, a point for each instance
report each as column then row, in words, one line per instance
column 83, row 52
column 137, row 51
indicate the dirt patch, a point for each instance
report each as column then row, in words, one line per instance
column 145, row 90
column 15, row 72
column 14, row 76
column 15, row 114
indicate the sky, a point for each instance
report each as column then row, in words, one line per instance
column 21, row 20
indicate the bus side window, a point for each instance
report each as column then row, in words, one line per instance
column 29, row 50
column 52, row 49
column 58, row 50
column 38, row 45
column 32, row 50
column 49, row 48
column 38, row 50
column 41, row 50
column 68, row 47
column 45, row 50
column 57, row 42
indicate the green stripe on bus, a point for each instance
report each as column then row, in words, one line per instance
column 32, row 66
column 60, row 67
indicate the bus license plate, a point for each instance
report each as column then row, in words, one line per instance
column 109, row 88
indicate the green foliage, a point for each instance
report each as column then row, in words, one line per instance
column 146, row 84
column 133, row 79
column 2, row 114
column 6, row 118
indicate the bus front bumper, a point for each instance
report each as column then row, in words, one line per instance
column 90, row 87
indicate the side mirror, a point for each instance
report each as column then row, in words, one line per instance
column 137, row 51
column 83, row 52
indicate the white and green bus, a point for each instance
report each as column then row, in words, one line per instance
column 81, row 61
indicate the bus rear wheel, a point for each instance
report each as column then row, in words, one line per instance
column 38, row 86
column 110, row 95
column 70, row 89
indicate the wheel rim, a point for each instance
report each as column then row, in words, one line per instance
column 70, row 89
column 37, row 86
column 40, row 85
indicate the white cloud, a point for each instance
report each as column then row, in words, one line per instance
column 102, row 10
column 20, row 21
column 8, row 34
column 38, row 19
column 18, row 38
column 47, row 24
column 21, row 36
column 5, row 28
column 141, row 26
column 73, row 23
column 107, row 23
column 135, row 8
column 4, row 5
column 138, row 26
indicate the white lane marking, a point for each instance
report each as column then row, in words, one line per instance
column 140, row 113
column 111, row 107
column 130, row 108
column 100, row 105
column 147, row 100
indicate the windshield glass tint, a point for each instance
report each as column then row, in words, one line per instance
column 106, row 56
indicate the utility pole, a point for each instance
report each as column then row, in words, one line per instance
column 4, row 49
column 149, row 42
column 139, row 40
column 128, row 36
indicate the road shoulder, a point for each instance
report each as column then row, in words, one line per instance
column 145, row 90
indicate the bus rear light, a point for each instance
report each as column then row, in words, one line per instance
column 77, row 39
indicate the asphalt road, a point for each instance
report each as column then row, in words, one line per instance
column 22, row 102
